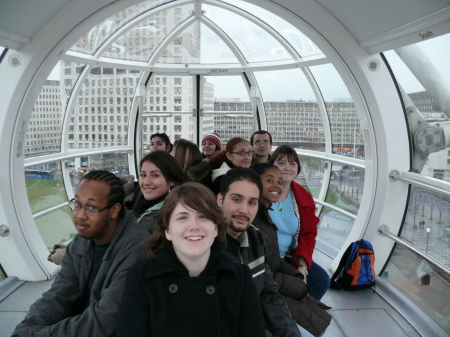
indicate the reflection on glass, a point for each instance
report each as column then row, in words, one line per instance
column 140, row 41
column 428, row 210
column 421, row 283
column 289, row 101
column 213, row 49
column 311, row 174
column 94, row 39
column 346, row 187
column 254, row 42
column 334, row 227
column 185, row 47
column 116, row 163
column 302, row 44
column 346, row 135
column 56, row 227
column 45, row 187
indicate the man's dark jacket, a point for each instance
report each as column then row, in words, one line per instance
column 57, row 314
column 251, row 251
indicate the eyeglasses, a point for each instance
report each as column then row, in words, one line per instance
column 259, row 143
column 243, row 154
column 88, row 209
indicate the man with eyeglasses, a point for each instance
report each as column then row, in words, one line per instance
column 262, row 145
column 84, row 297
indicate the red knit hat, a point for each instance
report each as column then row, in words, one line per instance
column 215, row 138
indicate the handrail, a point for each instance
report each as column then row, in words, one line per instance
column 383, row 230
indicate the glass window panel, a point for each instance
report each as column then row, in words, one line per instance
column 289, row 100
column 116, row 163
column 140, row 41
column 213, row 49
column 94, row 39
column 2, row 274
column 231, row 107
column 334, row 227
column 165, row 111
column 428, row 210
column 45, row 187
column 185, row 47
column 56, row 227
column 424, row 74
column 311, row 174
column 346, row 135
column 92, row 113
column 346, row 187
column 254, row 42
column 420, row 282
column 304, row 46
column 45, row 126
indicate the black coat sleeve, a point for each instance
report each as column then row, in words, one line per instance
column 134, row 312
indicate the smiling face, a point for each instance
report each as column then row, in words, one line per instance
column 237, row 159
column 239, row 206
column 208, row 148
column 157, row 144
column 288, row 168
column 272, row 186
column 99, row 228
column 152, row 182
column 191, row 233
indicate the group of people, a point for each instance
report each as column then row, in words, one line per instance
column 217, row 243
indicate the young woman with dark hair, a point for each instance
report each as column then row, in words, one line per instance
column 160, row 142
column 307, row 312
column 159, row 174
column 189, row 287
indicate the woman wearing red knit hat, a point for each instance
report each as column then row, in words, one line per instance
column 210, row 144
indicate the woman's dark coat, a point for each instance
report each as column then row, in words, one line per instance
column 160, row 299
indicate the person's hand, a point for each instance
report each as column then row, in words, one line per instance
column 57, row 253
column 302, row 268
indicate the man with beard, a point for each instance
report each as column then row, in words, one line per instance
column 239, row 195
column 84, row 297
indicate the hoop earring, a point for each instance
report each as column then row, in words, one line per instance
column 170, row 186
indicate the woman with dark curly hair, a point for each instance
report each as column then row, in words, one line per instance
column 189, row 287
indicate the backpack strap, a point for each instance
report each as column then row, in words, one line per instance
column 335, row 284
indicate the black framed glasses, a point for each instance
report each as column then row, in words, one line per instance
column 243, row 153
column 92, row 210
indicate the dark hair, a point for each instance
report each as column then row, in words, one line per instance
column 167, row 164
column 218, row 157
column 263, row 167
column 187, row 154
column 260, row 132
column 169, row 169
column 289, row 152
column 192, row 195
column 116, row 193
column 165, row 138
column 240, row 174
